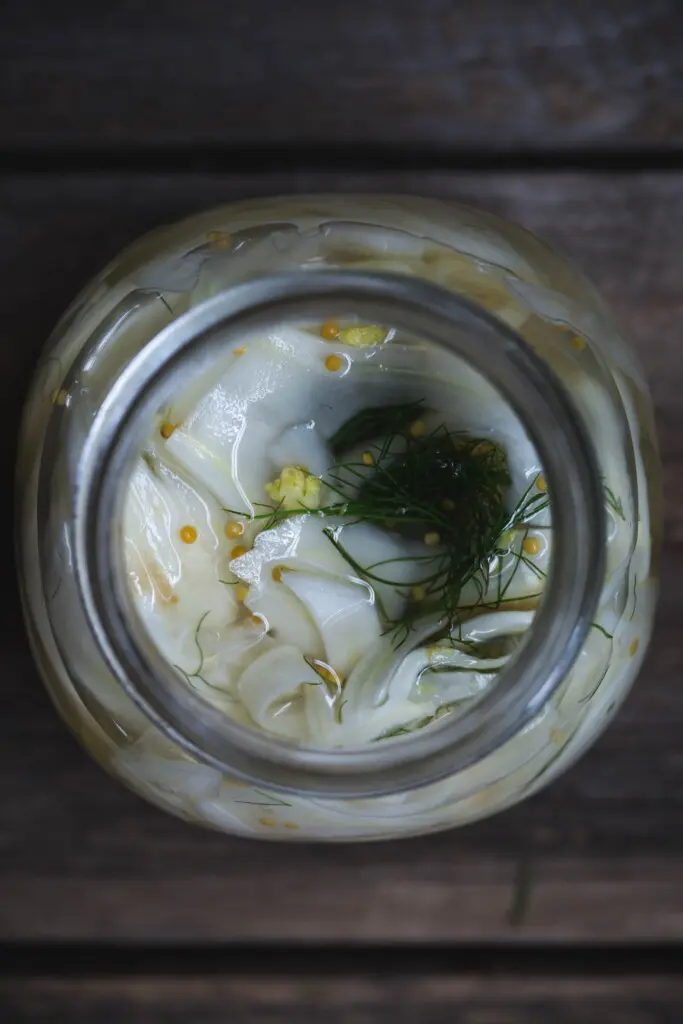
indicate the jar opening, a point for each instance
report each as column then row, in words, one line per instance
column 151, row 383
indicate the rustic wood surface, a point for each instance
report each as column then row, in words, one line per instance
column 117, row 117
column 597, row 857
column 320, row 999
column 440, row 73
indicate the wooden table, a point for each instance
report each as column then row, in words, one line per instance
column 567, row 117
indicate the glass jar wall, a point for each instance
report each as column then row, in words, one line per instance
column 496, row 266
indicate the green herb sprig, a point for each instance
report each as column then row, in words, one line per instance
column 614, row 503
column 447, row 486
column 197, row 674
column 369, row 424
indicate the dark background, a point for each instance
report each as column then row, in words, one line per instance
column 566, row 116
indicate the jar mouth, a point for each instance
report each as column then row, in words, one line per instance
column 525, row 383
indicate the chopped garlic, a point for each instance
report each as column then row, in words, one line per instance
column 363, row 335
column 295, row 487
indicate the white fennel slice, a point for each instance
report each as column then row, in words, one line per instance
column 344, row 613
column 173, row 583
column 273, row 689
column 221, row 441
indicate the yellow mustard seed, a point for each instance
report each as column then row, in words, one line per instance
column 234, row 529
column 419, row 593
column 541, row 485
column 268, row 822
column 188, row 534
column 368, row 459
column 417, row 428
column 633, row 647
column 166, row 430
column 329, row 330
column 531, row 546
column 578, row 343
column 238, row 551
column 432, row 538
column 241, row 350
column 333, row 364
column 242, row 592
column 291, row 824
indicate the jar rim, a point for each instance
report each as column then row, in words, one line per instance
column 535, row 395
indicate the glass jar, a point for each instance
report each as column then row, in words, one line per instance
column 505, row 306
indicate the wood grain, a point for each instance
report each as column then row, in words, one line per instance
column 318, row 999
column 81, row 858
column 478, row 73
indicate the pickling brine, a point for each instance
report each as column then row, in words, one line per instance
column 340, row 535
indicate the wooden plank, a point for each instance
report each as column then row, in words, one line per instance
column 235, row 893
column 482, row 73
column 458, row 999
column 81, row 858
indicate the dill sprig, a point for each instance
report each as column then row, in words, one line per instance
column 447, row 486
column 457, row 564
column 419, row 723
column 369, row 424
column 198, row 672
column 613, row 502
